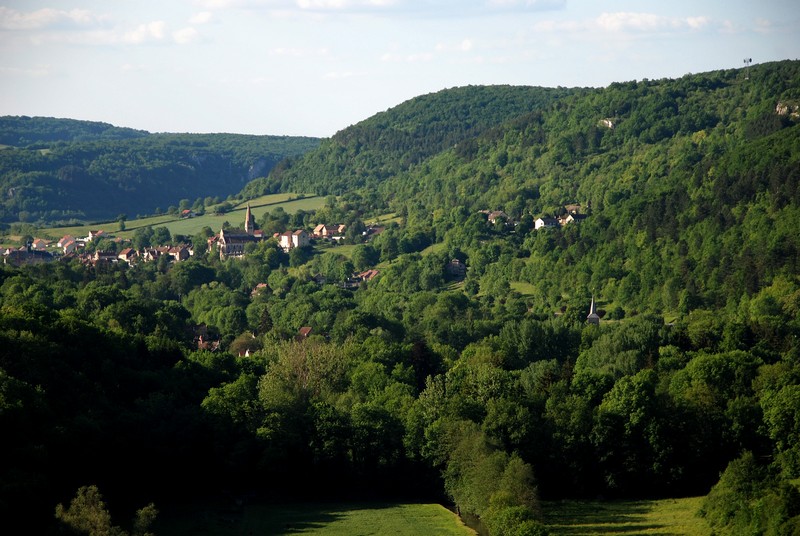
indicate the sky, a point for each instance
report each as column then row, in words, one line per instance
column 314, row 67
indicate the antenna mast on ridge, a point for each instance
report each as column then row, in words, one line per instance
column 747, row 62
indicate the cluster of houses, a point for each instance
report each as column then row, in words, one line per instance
column 70, row 247
column 354, row 281
column 231, row 243
column 41, row 250
column 573, row 215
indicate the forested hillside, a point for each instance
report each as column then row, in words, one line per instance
column 376, row 367
column 391, row 142
column 23, row 131
column 64, row 170
column 692, row 186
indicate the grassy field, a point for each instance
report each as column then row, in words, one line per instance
column 433, row 248
column 316, row 519
column 345, row 250
column 190, row 226
column 385, row 219
column 526, row 289
column 667, row 517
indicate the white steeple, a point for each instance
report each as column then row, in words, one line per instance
column 592, row 317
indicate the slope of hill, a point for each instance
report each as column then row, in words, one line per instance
column 76, row 170
column 691, row 185
column 393, row 141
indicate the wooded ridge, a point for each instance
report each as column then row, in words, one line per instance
column 66, row 171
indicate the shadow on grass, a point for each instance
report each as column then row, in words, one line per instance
column 270, row 520
column 255, row 518
column 601, row 518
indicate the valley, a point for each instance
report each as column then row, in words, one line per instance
column 555, row 310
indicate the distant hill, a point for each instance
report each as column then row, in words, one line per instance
column 22, row 131
column 64, row 170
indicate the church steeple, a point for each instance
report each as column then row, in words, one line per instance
column 249, row 221
column 593, row 317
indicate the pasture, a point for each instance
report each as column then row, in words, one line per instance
column 190, row 226
column 321, row 519
column 665, row 517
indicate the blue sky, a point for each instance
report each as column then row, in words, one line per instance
column 313, row 67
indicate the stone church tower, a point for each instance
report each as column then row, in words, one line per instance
column 249, row 221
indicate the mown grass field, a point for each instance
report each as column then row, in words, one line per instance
column 190, row 226
column 316, row 519
column 666, row 517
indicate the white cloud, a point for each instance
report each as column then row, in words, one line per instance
column 621, row 22
column 131, row 68
column 203, row 17
column 152, row 31
column 763, row 26
column 343, row 5
column 322, row 4
column 33, row 72
column 340, row 75
column 696, row 23
column 614, row 22
column 529, row 4
column 299, row 52
column 729, row 27
column 465, row 45
column 219, row 4
column 420, row 57
column 11, row 19
column 185, row 35
column 437, row 9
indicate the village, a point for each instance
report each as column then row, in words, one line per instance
column 231, row 243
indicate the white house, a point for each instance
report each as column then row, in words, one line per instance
column 543, row 223
column 293, row 239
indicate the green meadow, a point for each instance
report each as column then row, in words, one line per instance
column 665, row 517
column 189, row 226
column 311, row 518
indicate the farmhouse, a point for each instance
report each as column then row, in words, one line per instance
column 574, row 218
column 545, row 223
column 94, row 235
column 40, row 244
column 64, row 240
column 180, row 252
column 293, row 239
column 457, row 268
column 327, row 231
column 493, row 216
column 127, row 255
